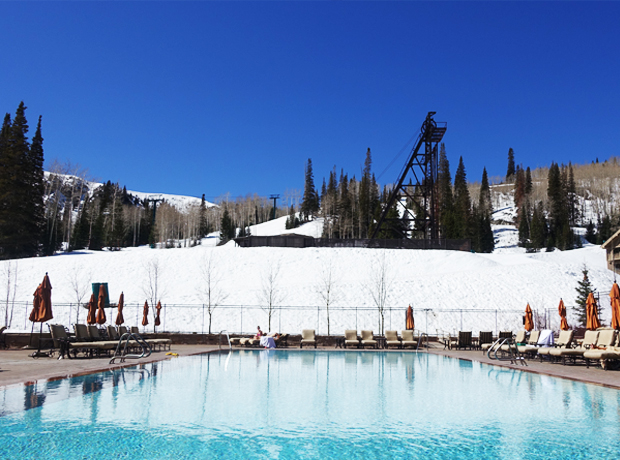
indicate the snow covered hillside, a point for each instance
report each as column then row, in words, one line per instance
column 448, row 290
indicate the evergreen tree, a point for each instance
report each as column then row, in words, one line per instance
column 510, row 172
column 571, row 192
column 590, row 233
column 524, row 226
column 204, row 229
column 604, row 230
column 368, row 197
column 445, row 197
column 484, row 231
column 528, row 181
column 519, row 187
column 584, row 287
column 34, row 207
column 81, row 230
column 462, row 203
column 310, row 203
column 538, row 228
column 560, row 233
column 228, row 229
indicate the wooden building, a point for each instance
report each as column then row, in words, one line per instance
column 612, row 248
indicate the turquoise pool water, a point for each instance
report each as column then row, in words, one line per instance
column 279, row 404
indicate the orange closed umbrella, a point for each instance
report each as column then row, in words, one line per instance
column 592, row 322
column 615, row 306
column 158, row 308
column 101, row 305
column 36, row 302
column 92, row 310
column 45, row 306
column 121, row 303
column 409, row 324
column 145, row 314
column 529, row 319
column 562, row 312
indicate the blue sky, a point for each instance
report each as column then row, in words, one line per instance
column 216, row 97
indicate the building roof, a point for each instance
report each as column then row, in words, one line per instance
column 612, row 242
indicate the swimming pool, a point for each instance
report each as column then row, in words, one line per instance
column 280, row 404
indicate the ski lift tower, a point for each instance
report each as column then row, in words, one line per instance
column 274, row 198
column 414, row 192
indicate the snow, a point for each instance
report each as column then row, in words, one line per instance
column 449, row 290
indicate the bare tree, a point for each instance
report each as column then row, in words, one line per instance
column 327, row 286
column 152, row 285
column 211, row 288
column 79, row 280
column 10, row 273
column 381, row 280
column 271, row 294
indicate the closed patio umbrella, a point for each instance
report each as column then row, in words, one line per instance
column 101, row 305
column 45, row 306
column 36, row 301
column 158, row 308
column 92, row 310
column 145, row 314
column 41, row 310
column 121, row 303
column 615, row 306
column 409, row 323
column 529, row 319
column 592, row 322
column 562, row 312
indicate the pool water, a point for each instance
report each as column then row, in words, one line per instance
column 281, row 404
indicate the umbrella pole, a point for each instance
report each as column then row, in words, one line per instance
column 31, row 334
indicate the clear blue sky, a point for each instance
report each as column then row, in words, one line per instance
column 215, row 97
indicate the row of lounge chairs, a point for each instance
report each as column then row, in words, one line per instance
column 601, row 346
column 351, row 339
column 89, row 341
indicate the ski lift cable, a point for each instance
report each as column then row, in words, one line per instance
column 400, row 152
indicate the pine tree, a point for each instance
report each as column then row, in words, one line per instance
column 486, row 240
column 584, row 288
column 590, row 233
column 35, row 211
column 462, row 203
column 604, row 230
column 228, row 230
column 528, row 181
column 510, row 172
column 204, row 229
column 519, row 187
column 366, row 199
column 538, row 228
column 524, row 226
column 310, row 203
column 445, row 197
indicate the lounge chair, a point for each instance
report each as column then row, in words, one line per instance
column 531, row 347
column 282, row 340
column 463, row 341
column 589, row 340
column 308, row 337
column 391, row 339
column 407, row 339
column 519, row 338
column 564, row 341
column 350, row 338
column 604, row 350
column 160, row 343
column 69, row 346
column 368, row 339
column 485, row 340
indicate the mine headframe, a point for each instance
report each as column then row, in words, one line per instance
column 414, row 194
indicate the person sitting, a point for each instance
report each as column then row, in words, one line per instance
column 259, row 333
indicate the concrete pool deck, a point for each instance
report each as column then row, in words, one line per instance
column 17, row 367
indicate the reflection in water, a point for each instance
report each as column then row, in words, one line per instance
column 32, row 397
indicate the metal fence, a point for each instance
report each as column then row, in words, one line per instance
column 292, row 319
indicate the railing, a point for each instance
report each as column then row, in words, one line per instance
column 420, row 337
column 127, row 342
column 227, row 338
column 510, row 353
